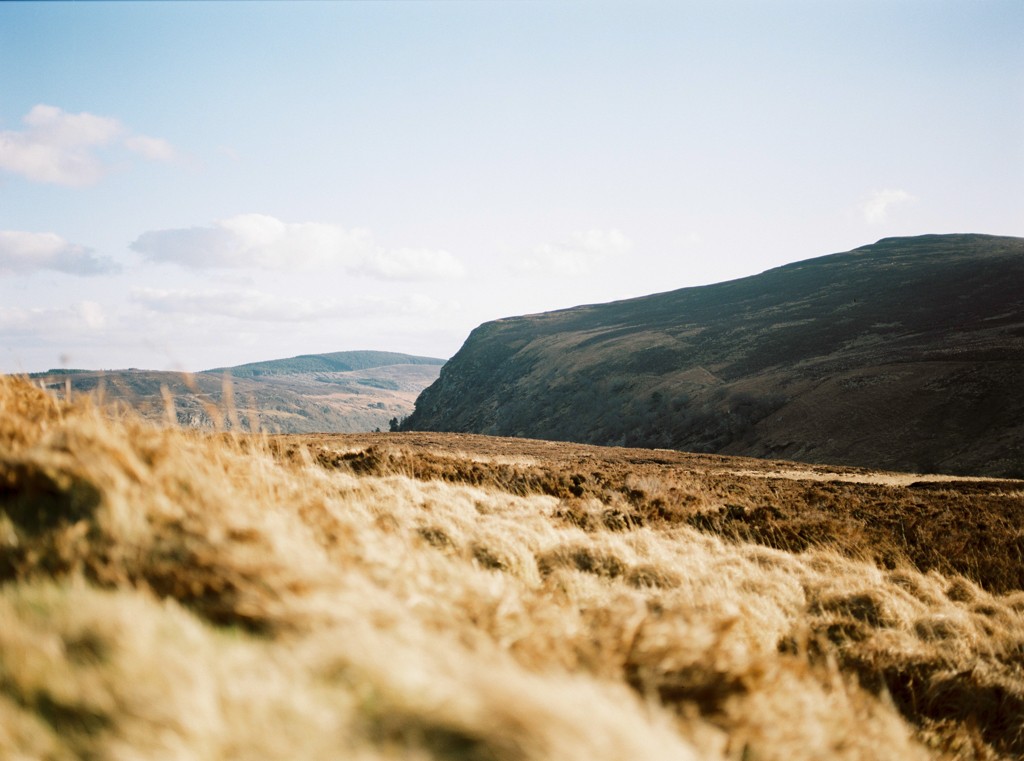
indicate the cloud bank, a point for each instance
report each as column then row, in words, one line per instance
column 264, row 242
column 579, row 255
column 47, row 324
column 242, row 305
column 258, row 305
column 23, row 252
column 876, row 208
column 63, row 149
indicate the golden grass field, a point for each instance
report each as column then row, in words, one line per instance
column 170, row 594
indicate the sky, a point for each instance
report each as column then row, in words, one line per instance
column 187, row 185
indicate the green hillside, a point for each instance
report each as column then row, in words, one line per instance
column 905, row 354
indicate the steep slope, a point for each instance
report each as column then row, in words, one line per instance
column 338, row 392
column 907, row 354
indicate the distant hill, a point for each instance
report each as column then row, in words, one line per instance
column 341, row 392
column 907, row 354
column 336, row 362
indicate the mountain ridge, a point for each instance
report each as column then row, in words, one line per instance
column 338, row 361
column 872, row 346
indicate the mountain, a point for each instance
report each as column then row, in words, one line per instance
column 338, row 392
column 907, row 354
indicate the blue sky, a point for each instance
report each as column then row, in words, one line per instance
column 188, row 185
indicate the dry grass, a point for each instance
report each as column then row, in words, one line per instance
column 171, row 595
column 954, row 525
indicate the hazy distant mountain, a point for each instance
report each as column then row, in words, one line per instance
column 906, row 354
column 341, row 392
column 337, row 362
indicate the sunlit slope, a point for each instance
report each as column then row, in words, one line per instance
column 907, row 354
column 170, row 594
column 341, row 392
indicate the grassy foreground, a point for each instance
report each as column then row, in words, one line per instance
column 173, row 595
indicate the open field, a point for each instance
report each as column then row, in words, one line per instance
column 173, row 594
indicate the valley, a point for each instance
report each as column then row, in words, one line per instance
column 233, row 564
column 344, row 391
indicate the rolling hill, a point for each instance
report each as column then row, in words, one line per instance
column 907, row 354
column 340, row 392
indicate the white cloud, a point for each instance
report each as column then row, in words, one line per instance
column 153, row 148
column 579, row 255
column 876, row 208
column 25, row 252
column 260, row 306
column 92, row 315
column 61, row 148
column 264, row 242
column 413, row 264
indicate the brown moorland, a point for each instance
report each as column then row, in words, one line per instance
column 961, row 525
column 169, row 593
